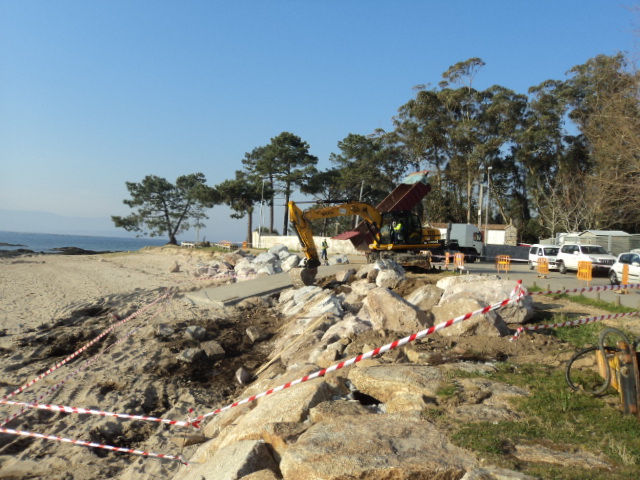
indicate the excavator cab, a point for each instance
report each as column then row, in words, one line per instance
column 400, row 228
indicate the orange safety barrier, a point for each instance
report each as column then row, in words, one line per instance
column 447, row 260
column 458, row 261
column 503, row 262
column 543, row 267
column 625, row 278
column 584, row 271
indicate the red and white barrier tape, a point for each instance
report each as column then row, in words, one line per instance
column 80, row 369
column 588, row 289
column 68, row 377
column 515, row 297
column 87, row 346
column 86, row 411
column 82, row 443
column 572, row 323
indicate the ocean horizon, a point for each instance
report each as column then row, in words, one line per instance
column 48, row 242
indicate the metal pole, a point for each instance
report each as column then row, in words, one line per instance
column 486, row 221
column 480, row 202
column 261, row 216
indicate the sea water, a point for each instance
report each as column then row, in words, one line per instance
column 46, row 242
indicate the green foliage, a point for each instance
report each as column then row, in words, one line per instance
column 164, row 208
column 559, row 419
column 543, row 179
column 284, row 164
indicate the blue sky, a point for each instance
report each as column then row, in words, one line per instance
column 95, row 94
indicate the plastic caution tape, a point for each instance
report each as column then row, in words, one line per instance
column 82, row 443
column 515, row 297
column 572, row 323
column 87, row 346
column 586, row 289
column 87, row 411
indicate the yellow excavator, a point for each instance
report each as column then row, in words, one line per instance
column 398, row 235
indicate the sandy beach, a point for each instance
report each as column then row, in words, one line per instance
column 53, row 305
column 89, row 337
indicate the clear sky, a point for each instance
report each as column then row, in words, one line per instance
column 97, row 93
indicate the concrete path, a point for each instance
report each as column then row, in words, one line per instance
column 236, row 292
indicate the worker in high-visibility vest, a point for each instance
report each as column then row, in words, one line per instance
column 397, row 229
column 324, row 255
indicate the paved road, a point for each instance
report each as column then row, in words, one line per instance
column 556, row 281
column 236, row 292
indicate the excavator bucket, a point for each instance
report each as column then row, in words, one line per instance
column 303, row 277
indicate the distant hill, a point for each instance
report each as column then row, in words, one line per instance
column 43, row 222
column 220, row 225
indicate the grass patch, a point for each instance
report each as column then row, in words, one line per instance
column 580, row 336
column 447, row 390
column 601, row 304
column 591, row 302
column 559, row 419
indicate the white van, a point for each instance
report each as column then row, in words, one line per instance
column 537, row 251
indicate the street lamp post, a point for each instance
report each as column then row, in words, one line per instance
column 261, row 216
column 486, row 221
column 480, row 201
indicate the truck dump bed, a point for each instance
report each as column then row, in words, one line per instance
column 404, row 197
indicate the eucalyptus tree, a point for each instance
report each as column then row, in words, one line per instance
column 458, row 131
column 603, row 95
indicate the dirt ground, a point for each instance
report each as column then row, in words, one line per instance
column 52, row 306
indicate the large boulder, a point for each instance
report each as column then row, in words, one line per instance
column 266, row 257
column 390, row 274
column 232, row 462
column 487, row 291
column 294, row 301
column 289, row 262
column 489, row 324
column 244, row 268
column 372, row 447
column 279, row 250
column 338, row 259
column 425, row 297
column 384, row 382
column 388, row 311
column 232, row 258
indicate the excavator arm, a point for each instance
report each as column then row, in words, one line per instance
column 302, row 223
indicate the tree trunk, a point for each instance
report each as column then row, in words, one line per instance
column 250, row 226
column 271, row 217
column 287, row 196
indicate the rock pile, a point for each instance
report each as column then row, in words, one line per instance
column 241, row 264
column 365, row 421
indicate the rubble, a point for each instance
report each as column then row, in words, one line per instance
column 380, row 402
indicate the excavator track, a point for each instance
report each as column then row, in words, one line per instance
column 303, row 277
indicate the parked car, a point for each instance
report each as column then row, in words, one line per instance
column 571, row 253
column 631, row 259
column 536, row 251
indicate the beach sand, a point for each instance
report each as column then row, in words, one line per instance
column 51, row 306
